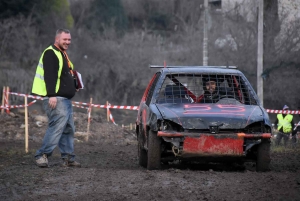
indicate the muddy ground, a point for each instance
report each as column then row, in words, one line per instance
column 110, row 169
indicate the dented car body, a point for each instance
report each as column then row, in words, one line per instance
column 175, row 122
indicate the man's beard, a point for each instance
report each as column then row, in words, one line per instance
column 61, row 47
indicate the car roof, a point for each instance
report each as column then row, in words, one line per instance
column 199, row 69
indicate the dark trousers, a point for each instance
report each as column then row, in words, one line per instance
column 281, row 135
column 294, row 139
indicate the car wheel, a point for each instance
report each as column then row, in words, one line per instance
column 142, row 153
column 154, row 151
column 263, row 157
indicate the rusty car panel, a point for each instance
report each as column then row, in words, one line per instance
column 213, row 145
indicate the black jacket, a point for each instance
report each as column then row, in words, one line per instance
column 296, row 129
column 51, row 67
column 210, row 97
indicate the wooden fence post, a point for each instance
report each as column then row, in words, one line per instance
column 26, row 125
column 3, row 95
column 89, row 118
column 7, row 100
column 107, row 111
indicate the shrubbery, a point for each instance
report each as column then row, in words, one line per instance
column 112, row 49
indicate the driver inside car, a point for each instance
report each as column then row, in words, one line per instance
column 211, row 94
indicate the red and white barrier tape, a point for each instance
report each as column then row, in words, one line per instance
column 124, row 107
column 17, row 106
column 26, row 95
column 3, row 107
column 76, row 104
column 82, row 103
column 283, row 111
column 80, row 106
column 117, row 107
column 111, row 106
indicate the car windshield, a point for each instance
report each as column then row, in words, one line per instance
column 206, row 88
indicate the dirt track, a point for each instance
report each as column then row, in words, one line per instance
column 111, row 172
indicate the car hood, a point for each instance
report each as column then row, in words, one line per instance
column 203, row 116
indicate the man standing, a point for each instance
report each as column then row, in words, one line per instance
column 285, row 126
column 295, row 131
column 54, row 81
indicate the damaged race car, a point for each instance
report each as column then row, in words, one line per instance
column 202, row 113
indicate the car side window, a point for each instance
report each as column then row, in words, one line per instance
column 151, row 88
column 248, row 93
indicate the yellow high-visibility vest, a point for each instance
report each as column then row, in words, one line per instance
column 285, row 123
column 39, row 85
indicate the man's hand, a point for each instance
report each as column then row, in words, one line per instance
column 52, row 102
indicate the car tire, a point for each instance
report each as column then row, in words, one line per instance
column 142, row 153
column 263, row 156
column 154, row 151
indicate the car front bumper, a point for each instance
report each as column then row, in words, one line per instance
column 204, row 144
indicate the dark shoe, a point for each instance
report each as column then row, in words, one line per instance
column 67, row 163
column 42, row 161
